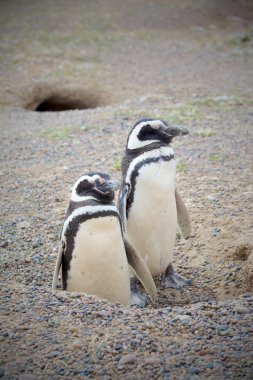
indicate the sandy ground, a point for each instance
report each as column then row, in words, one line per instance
column 185, row 62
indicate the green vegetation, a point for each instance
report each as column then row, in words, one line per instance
column 178, row 113
column 192, row 112
column 62, row 74
column 117, row 164
column 180, row 167
column 61, row 133
column 123, row 112
column 205, row 132
column 217, row 156
column 225, row 101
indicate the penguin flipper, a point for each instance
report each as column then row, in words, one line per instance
column 122, row 206
column 183, row 219
column 57, row 267
column 141, row 270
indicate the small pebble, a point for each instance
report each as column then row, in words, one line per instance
column 76, row 344
column 152, row 360
column 241, row 310
column 24, row 225
column 27, row 376
column 127, row 359
column 212, row 198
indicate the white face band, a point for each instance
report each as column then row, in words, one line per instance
column 78, row 198
column 134, row 142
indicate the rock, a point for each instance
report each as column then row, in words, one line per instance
column 236, row 337
column 73, row 328
column 213, row 306
column 194, row 371
column 127, row 359
column 4, row 244
column 215, row 231
column 76, row 344
column 23, row 225
column 241, row 310
column 53, row 354
column 37, row 243
column 27, row 376
column 152, row 360
column 129, row 376
column 212, row 198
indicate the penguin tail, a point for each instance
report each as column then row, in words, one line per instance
column 57, row 268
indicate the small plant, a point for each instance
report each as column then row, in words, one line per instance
column 62, row 133
column 61, row 74
column 177, row 113
column 180, row 167
column 205, row 132
column 123, row 112
column 117, row 164
column 216, row 157
column 225, row 102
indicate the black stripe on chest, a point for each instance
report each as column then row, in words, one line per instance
column 135, row 174
column 70, row 234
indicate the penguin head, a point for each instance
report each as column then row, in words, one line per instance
column 153, row 132
column 95, row 185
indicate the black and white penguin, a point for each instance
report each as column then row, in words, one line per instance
column 149, row 204
column 94, row 255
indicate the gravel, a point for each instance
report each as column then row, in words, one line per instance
column 193, row 70
column 77, row 335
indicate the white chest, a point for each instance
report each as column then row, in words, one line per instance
column 99, row 264
column 152, row 219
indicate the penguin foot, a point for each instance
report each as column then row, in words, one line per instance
column 137, row 297
column 173, row 280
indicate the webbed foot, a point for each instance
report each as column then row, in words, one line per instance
column 173, row 280
column 137, row 297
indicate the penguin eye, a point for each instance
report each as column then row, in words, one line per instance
column 148, row 133
column 83, row 186
column 99, row 182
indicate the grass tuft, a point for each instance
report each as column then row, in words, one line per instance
column 117, row 164
column 180, row 167
column 61, row 133
column 216, row 157
column 205, row 132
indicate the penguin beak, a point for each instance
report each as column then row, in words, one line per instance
column 112, row 185
column 174, row 131
column 115, row 185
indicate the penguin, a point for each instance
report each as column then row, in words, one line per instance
column 149, row 203
column 94, row 254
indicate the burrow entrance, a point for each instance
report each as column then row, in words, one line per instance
column 57, row 99
column 57, row 103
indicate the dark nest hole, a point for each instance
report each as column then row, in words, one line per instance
column 57, row 104
column 63, row 100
